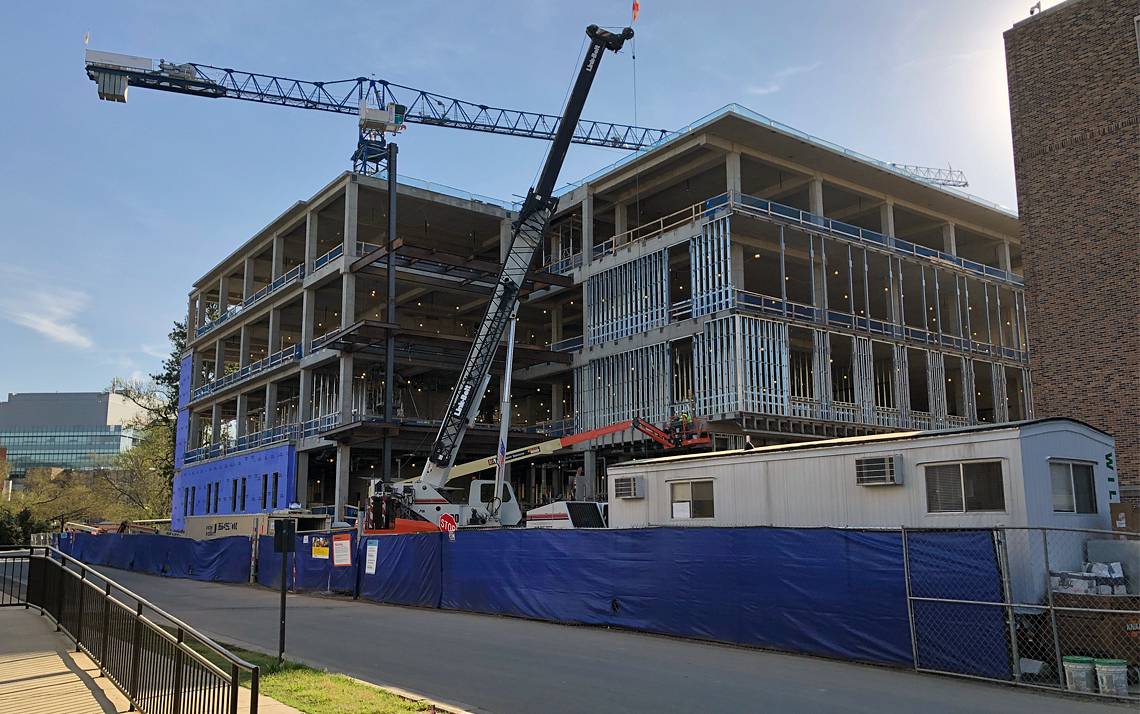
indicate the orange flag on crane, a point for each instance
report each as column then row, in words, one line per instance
column 636, row 11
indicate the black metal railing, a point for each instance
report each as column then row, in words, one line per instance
column 160, row 663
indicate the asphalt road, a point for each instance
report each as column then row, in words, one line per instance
column 501, row 665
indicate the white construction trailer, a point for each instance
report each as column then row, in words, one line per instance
column 1052, row 473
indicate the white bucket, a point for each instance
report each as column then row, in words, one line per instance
column 1080, row 674
column 1112, row 676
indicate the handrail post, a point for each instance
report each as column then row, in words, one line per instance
column 235, row 677
column 79, row 619
column 254, row 687
column 178, row 658
column 136, row 646
column 106, row 626
column 60, row 580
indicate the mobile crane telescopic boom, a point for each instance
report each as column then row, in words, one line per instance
column 529, row 230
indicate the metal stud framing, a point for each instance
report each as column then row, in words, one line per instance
column 628, row 299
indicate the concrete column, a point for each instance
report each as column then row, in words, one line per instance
column 738, row 259
column 347, row 299
column 1004, row 259
column 589, row 475
column 223, row 294
column 949, row 239
column 312, row 223
column 308, row 319
column 216, row 424
column 243, row 342
column 887, row 219
column 732, row 172
column 305, row 395
column 247, row 284
column 815, row 196
column 191, row 316
column 345, row 387
column 555, row 324
column 278, row 268
column 621, row 218
column 195, row 370
column 194, row 438
column 219, row 358
column 351, row 200
column 557, row 394
column 505, row 234
column 200, row 311
column 302, row 496
column 587, row 227
column 274, row 331
column 270, row 405
column 343, row 476
column 242, row 413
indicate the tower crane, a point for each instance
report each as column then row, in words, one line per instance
column 380, row 104
column 384, row 107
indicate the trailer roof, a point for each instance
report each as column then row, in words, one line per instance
column 867, row 439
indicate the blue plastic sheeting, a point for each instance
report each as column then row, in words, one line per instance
column 224, row 560
column 269, row 565
column 959, row 637
column 409, row 569
column 306, row 573
column 837, row 593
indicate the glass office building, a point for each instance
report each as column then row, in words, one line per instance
column 71, row 430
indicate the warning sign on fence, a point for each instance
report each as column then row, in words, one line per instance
column 342, row 550
column 320, row 546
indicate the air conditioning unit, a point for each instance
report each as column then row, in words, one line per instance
column 629, row 487
column 879, row 471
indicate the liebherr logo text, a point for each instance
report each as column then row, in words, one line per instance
column 597, row 49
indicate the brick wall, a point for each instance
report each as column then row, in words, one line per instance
column 1074, row 96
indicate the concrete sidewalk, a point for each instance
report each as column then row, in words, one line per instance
column 41, row 673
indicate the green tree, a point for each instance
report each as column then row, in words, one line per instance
column 132, row 476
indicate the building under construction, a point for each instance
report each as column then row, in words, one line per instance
column 760, row 281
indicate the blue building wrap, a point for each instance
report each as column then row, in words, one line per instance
column 182, row 425
column 256, row 468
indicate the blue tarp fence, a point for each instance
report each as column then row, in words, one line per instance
column 832, row 592
column 305, row 572
column 225, row 560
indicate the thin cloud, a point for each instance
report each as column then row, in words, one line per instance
column 779, row 78
column 37, row 303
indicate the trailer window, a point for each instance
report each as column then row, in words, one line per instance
column 691, row 499
column 966, row 487
column 1073, row 488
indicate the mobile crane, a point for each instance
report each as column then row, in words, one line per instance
column 528, row 233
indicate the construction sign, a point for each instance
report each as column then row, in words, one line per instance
column 342, row 550
column 320, row 547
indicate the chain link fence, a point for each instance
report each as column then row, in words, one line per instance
column 1054, row 608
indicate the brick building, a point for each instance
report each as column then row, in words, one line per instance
column 1074, row 103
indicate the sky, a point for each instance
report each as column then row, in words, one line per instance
column 112, row 211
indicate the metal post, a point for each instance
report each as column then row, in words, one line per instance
column 254, row 687
column 504, row 418
column 136, row 647
column 1052, row 612
column 235, row 678
column 178, row 658
column 106, row 626
column 79, row 618
column 909, row 601
column 390, row 338
column 1003, row 564
column 60, row 580
column 281, row 637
